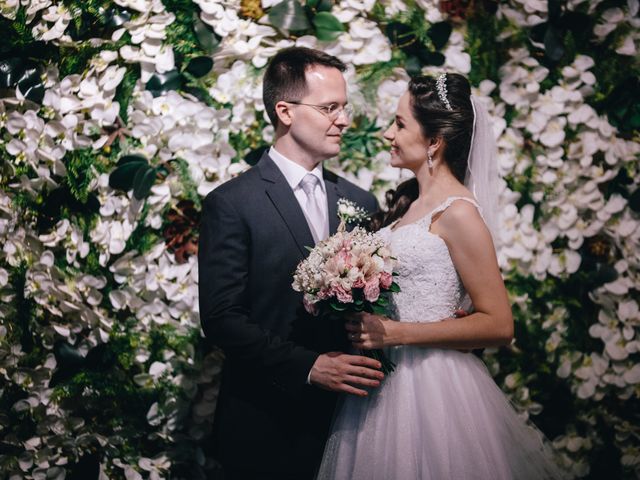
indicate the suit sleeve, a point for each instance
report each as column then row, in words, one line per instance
column 223, row 261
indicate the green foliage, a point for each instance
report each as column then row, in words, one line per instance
column 483, row 29
column 181, row 33
column 16, row 33
column 189, row 187
column 125, row 90
column 245, row 141
column 360, row 144
column 80, row 172
column 134, row 172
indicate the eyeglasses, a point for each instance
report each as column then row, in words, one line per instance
column 331, row 111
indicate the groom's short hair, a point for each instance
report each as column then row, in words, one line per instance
column 285, row 76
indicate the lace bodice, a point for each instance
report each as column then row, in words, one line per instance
column 431, row 288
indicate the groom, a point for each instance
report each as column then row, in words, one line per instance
column 282, row 367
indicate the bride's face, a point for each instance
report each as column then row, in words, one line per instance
column 408, row 145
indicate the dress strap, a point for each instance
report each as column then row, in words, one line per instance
column 447, row 203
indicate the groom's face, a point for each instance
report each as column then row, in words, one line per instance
column 311, row 128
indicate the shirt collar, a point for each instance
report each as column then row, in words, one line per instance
column 294, row 172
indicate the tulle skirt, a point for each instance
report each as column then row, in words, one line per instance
column 439, row 416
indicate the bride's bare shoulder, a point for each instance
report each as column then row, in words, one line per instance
column 461, row 220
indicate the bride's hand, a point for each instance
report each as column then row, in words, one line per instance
column 367, row 331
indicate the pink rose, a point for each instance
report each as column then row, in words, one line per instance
column 372, row 290
column 323, row 294
column 386, row 279
column 342, row 295
column 359, row 283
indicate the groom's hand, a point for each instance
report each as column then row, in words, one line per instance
column 340, row 372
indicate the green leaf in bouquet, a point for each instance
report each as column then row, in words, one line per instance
column 289, row 15
column 337, row 306
column 382, row 301
column 395, row 288
column 199, row 66
column 327, row 26
column 378, row 310
column 143, row 181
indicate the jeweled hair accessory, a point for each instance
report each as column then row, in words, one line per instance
column 441, row 86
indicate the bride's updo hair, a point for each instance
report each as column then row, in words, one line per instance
column 454, row 126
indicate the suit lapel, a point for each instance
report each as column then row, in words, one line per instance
column 285, row 202
column 333, row 194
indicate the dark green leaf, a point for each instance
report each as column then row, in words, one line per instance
column 555, row 10
column 115, row 19
column 200, row 66
column 131, row 158
column 337, row 306
column 382, row 301
column 209, row 41
column 413, row 66
column 164, row 82
column 400, row 35
column 143, row 181
column 122, row 177
column 432, row 58
column 11, row 69
column 395, row 288
column 634, row 201
column 439, row 34
column 35, row 93
column 580, row 24
column 605, row 274
column 554, row 43
column 67, row 355
column 289, row 15
column 254, row 156
column 537, row 32
column 324, row 6
column 378, row 310
column 327, row 26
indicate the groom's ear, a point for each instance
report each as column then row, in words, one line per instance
column 283, row 111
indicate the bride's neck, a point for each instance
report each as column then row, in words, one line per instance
column 435, row 184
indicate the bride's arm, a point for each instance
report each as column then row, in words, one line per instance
column 473, row 255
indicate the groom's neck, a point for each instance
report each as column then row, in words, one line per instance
column 296, row 154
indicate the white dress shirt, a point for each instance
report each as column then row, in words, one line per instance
column 294, row 173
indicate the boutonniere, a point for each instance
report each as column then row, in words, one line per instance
column 350, row 212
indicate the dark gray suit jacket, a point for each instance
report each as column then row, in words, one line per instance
column 253, row 235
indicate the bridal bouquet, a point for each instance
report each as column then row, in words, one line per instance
column 348, row 272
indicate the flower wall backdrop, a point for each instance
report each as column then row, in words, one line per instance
column 116, row 118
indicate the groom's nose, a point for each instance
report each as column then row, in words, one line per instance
column 343, row 120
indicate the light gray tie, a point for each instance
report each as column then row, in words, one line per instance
column 315, row 214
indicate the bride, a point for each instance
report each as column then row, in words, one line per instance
column 439, row 415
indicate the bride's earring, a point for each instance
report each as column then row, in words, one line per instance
column 429, row 159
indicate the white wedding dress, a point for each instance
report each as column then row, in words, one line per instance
column 440, row 415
